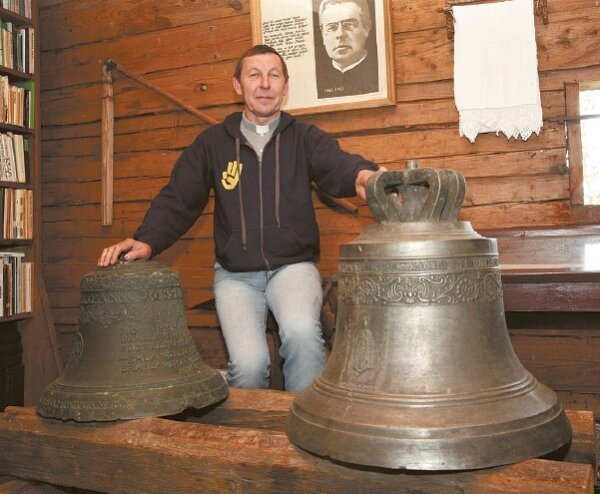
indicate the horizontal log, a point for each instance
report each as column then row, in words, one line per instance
column 158, row 132
column 87, row 23
column 566, row 360
column 480, row 191
column 563, row 296
column 252, row 461
column 201, row 43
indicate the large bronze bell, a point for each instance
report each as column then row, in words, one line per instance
column 422, row 374
column 134, row 356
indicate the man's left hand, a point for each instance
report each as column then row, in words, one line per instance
column 361, row 181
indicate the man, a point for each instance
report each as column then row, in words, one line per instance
column 345, row 26
column 260, row 165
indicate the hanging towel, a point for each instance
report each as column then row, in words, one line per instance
column 496, row 85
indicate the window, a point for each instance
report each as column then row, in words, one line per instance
column 582, row 102
column 589, row 105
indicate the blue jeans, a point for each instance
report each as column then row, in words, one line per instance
column 294, row 295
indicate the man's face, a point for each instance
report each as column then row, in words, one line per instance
column 263, row 86
column 344, row 35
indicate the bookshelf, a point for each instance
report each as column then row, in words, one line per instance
column 22, row 307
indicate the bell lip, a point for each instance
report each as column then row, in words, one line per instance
column 130, row 404
column 552, row 431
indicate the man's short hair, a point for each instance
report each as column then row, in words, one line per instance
column 258, row 50
column 362, row 5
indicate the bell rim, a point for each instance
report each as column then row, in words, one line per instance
column 129, row 404
column 432, row 453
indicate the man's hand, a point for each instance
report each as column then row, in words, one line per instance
column 361, row 181
column 135, row 250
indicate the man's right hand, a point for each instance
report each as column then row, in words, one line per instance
column 133, row 249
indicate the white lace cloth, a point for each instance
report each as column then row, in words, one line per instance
column 496, row 85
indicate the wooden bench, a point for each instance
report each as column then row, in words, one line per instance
column 240, row 446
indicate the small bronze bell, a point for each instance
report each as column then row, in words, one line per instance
column 134, row 356
column 422, row 374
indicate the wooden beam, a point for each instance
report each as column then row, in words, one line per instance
column 268, row 409
column 156, row 455
column 108, row 117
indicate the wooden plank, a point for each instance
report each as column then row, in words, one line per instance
column 574, row 143
column 565, row 360
column 93, row 22
column 569, row 297
column 550, row 80
column 199, row 43
column 108, row 139
column 58, row 452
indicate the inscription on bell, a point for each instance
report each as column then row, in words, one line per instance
column 141, row 351
column 129, row 296
column 416, row 265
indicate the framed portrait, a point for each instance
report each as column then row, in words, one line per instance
column 338, row 52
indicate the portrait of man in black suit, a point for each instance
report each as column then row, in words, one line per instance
column 345, row 48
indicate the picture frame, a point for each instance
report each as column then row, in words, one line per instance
column 338, row 58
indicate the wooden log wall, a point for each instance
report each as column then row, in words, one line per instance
column 189, row 48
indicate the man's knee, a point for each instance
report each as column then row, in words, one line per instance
column 249, row 372
column 301, row 335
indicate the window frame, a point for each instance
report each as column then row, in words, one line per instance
column 574, row 143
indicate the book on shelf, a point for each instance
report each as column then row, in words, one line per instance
column 17, row 102
column 4, row 98
column 25, row 103
column 13, row 158
column 15, row 283
column 21, row 7
column 7, row 44
column 16, row 208
column 31, row 51
column 8, row 170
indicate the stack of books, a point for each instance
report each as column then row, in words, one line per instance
column 15, row 284
column 16, row 213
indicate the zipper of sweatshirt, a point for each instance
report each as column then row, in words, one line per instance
column 260, row 196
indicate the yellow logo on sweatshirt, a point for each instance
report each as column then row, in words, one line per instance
column 231, row 176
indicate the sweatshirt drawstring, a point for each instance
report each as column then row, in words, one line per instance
column 242, row 215
column 277, row 180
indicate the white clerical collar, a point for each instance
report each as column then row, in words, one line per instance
column 350, row 67
column 261, row 130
